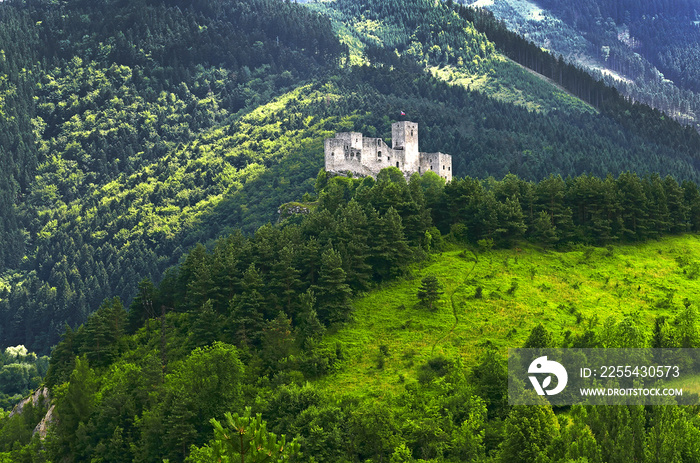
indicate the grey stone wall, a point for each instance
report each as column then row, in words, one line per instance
column 351, row 152
column 439, row 163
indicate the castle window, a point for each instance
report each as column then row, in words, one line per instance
column 379, row 142
column 419, row 170
column 431, row 167
column 388, row 158
column 397, row 163
column 443, row 167
column 449, row 168
column 379, row 154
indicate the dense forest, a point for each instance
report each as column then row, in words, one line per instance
column 92, row 112
column 21, row 372
column 664, row 32
column 644, row 49
column 168, row 234
column 241, row 324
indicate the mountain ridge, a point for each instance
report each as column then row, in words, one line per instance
column 630, row 51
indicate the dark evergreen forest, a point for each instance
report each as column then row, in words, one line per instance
column 652, row 43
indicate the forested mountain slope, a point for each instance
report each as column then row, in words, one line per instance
column 115, row 95
column 141, row 129
column 150, row 144
column 447, row 46
column 647, row 49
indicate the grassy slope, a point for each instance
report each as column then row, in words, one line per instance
column 551, row 288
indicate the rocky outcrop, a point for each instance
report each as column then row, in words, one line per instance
column 290, row 209
column 43, row 427
column 40, row 396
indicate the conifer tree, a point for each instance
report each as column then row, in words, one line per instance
column 277, row 341
column 246, row 317
column 332, row 291
column 246, row 439
column 353, row 247
column 143, row 306
column 73, row 413
column 102, row 332
column 619, row 430
column 201, row 286
column 286, row 281
column 429, row 291
column 529, row 432
column 205, row 326
column 539, row 337
column 542, row 229
column 62, row 359
column 310, row 327
column 390, row 250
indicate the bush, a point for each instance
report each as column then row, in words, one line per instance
column 436, row 367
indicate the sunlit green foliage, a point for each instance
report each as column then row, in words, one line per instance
column 245, row 439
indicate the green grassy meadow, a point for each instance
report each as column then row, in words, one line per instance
column 520, row 287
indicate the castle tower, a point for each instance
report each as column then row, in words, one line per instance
column 404, row 136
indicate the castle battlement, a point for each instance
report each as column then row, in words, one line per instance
column 363, row 156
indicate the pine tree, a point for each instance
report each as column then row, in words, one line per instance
column 285, row 281
column 390, row 251
column 201, row 286
column 142, row 307
column 619, row 430
column 429, row 291
column 225, row 269
column 310, row 327
column 542, row 229
column 245, row 438
column 246, row 317
column 539, row 337
column 62, row 360
column 73, row 412
column 353, row 247
column 530, row 430
column 205, row 326
column 102, row 332
column 332, row 292
column 277, row 341
column 196, row 259
column 677, row 209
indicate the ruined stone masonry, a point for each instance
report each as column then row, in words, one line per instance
column 362, row 156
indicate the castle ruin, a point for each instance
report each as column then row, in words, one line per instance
column 363, row 156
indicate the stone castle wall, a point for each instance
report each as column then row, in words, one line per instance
column 363, row 156
column 439, row 163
